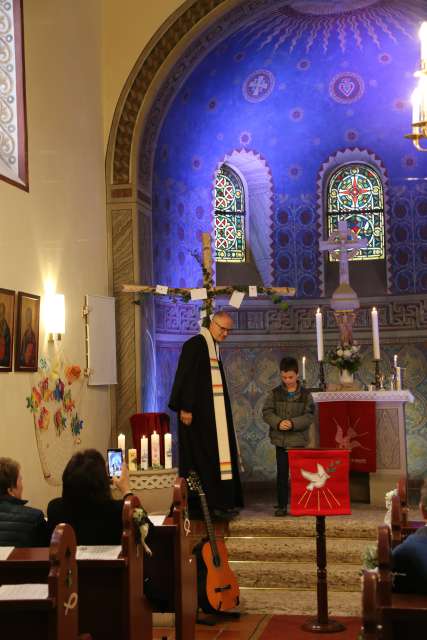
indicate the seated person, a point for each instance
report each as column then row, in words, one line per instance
column 86, row 503
column 410, row 557
column 20, row 526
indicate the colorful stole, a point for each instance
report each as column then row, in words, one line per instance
column 219, row 408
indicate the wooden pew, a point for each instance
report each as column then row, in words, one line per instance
column 388, row 615
column 111, row 598
column 406, row 526
column 55, row 617
column 171, row 571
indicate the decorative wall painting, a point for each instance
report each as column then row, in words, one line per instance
column 27, row 332
column 7, row 317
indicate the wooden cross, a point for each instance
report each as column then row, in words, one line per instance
column 345, row 242
column 207, row 283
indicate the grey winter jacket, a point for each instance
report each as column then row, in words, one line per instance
column 298, row 408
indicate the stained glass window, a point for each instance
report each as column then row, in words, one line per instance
column 230, row 243
column 355, row 194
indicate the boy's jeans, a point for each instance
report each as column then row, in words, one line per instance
column 282, row 477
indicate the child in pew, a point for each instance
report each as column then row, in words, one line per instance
column 20, row 526
column 289, row 412
column 410, row 556
column 86, row 503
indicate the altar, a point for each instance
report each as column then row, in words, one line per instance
column 391, row 459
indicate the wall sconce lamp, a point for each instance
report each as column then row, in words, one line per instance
column 55, row 316
column 419, row 97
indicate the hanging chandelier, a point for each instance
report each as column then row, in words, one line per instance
column 419, row 97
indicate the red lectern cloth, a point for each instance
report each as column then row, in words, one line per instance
column 319, row 482
column 350, row 425
column 144, row 424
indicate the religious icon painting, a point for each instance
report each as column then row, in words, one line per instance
column 27, row 332
column 320, row 483
column 7, row 318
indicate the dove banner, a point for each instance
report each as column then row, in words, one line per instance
column 319, row 482
column 352, row 426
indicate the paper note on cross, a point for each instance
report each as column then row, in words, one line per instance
column 212, row 291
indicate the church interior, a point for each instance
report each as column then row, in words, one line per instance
column 132, row 131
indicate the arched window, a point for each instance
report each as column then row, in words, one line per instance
column 355, row 194
column 230, row 241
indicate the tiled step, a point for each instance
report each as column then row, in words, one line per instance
column 298, row 602
column 294, row 575
column 336, row 527
column 339, row 550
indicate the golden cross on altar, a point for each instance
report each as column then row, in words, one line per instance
column 207, row 283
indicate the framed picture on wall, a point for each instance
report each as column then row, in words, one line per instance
column 7, row 318
column 27, row 332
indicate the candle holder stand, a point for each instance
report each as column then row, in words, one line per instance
column 377, row 375
column 322, row 381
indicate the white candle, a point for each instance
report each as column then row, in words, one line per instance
column 375, row 334
column 155, row 449
column 144, row 452
column 416, row 105
column 121, row 443
column 132, row 459
column 168, row 450
column 319, row 334
column 395, row 360
column 303, row 367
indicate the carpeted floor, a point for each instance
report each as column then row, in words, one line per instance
column 264, row 627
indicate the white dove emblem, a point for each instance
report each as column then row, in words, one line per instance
column 317, row 480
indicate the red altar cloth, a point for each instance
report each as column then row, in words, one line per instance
column 144, row 424
column 319, row 482
column 350, row 425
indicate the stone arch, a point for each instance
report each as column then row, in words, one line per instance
column 342, row 157
column 258, row 181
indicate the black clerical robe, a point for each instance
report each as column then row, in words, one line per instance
column 198, row 445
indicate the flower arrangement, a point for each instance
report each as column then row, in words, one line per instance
column 370, row 557
column 345, row 356
column 142, row 524
column 388, row 498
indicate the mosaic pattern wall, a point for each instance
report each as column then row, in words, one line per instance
column 296, row 86
column 253, row 371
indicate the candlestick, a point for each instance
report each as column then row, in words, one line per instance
column 144, row 452
column 132, row 459
column 168, row 450
column 398, row 378
column 322, row 381
column 375, row 334
column 319, row 334
column 377, row 375
column 121, row 443
column 303, row 368
column 155, row 449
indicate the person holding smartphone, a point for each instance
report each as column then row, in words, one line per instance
column 86, row 503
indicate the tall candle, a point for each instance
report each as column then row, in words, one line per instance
column 423, row 37
column 155, row 449
column 144, row 452
column 375, row 334
column 319, row 334
column 303, row 367
column 168, row 450
column 132, row 459
column 395, row 360
column 121, row 443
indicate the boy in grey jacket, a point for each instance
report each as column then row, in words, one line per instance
column 289, row 412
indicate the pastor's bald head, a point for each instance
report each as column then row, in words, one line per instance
column 221, row 325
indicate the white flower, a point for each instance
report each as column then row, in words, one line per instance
column 347, row 353
column 340, row 352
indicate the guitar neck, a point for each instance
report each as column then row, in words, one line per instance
column 209, row 525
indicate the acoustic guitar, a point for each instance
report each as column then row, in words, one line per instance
column 217, row 585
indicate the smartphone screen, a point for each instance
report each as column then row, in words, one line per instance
column 115, row 461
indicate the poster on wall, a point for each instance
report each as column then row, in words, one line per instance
column 27, row 332
column 7, row 317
